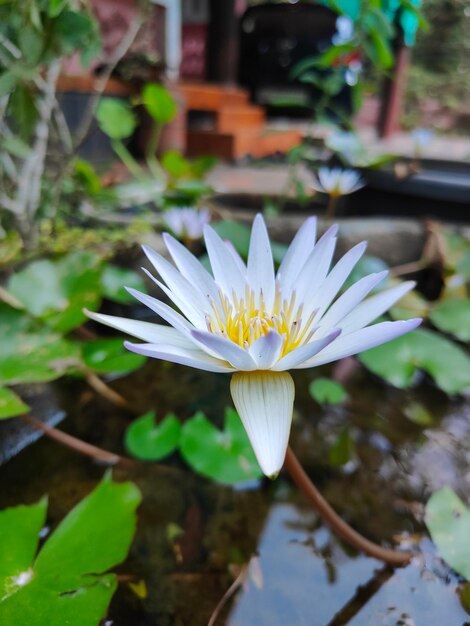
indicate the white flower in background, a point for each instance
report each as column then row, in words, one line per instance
column 186, row 222
column 421, row 137
column 337, row 182
column 255, row 324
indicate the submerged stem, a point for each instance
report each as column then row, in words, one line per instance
column 337, row 524
column 331, row 207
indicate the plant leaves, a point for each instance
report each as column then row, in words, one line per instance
column 114, row 280
column 115, row 118
column 448, row 522
column 149, row 441
column 66, row 584
column 11, row 405
column 327, row 391
column 58, row 291
column 109, row 356
column 159, row 103
column 398, row 361
column 342, row 450
column 225, row 456
column 175, row 164
column 453, row 316
column 418, row 414
column 31, row 352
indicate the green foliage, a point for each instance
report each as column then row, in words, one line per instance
column 66, row 583
column 398, row 361
column 32, row 352
column 327, row 391
column 115, row 118
column 113, row 280
column 108, row 356
column 452, row 316
column 149, row 441
column 448, row 522
column 418, row 414
column 158, row 103
column 225, row 456
column 58, row 291
column 11, row 405
column 342, row 450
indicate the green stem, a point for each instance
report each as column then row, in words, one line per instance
column 128, row 160
column 151, row 152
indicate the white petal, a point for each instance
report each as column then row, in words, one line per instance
column 178, row 284
column 298, row 252
column 191, row 268
column 185, row 356
column 367, row 311
column 260, row 274
column 301, row 354
column 315, row 269
column 226, row 349
column 337, row 277
column 266, row 350
column 226, row 271
column 194, row 315
column 349, row 299
column 264, row 401
column 236, row 257
column 160, row 308
column 362, row 340
column 153, row 333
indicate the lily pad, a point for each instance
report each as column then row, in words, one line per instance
column 58, row 291
column 149, row 441
column 113, row 280
column 399, row 360
column 448, row 521
column 453, row 316
column 225, row 456
column 343, row 449
column 115, row 118
column 159, row 103
column 11, row 404
column 108, row 356
column 32, row 352
column 327, row 391
column 66, row 583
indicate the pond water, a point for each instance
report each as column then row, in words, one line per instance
column 299, row 573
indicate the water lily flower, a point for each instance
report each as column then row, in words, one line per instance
column 248, row 321
column 337, row 182
column 186, row 222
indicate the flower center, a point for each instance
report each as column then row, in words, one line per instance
column 245, row 320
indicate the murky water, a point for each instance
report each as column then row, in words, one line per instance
column 299, row 573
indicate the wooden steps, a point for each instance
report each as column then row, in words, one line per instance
column 237, row 128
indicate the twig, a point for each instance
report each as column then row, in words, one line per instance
column 102, row 388
column 98, row 454
column 101, row 82
column 237, row 583
column 337, row 524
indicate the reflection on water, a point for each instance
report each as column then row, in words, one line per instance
column 303, row 574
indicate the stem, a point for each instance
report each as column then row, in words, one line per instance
column 330, row 209
column 336, row 523
column 102, row 388
column 103, row 456
column 128, row 160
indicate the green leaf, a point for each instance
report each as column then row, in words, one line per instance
column 11, row 404
column 31, row 352
column 73, row 30
column 398, row 360
column 418, row 414
column 453, row 316
column 225, row 456
column 108, row 356
column 15, row 146
column 342, row 450
column 113, row 281
column 327, row 391
column 238, row 234
column 175, row 164
column 55, row 7
column 66, row 584
column 58, row 291
column 149, row 441
column 23, row 107
column 115, row 118
column 159, row 103
column 19, row 530
column 448, row 522
column 8, row 81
